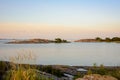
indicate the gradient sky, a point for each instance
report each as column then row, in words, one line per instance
column 69, row 19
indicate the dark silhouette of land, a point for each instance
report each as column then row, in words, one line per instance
column 30, row 41
column 98, row 39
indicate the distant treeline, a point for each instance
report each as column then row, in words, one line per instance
column 107, row 39
column 59, row 40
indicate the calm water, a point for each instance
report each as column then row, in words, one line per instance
column 66, row 53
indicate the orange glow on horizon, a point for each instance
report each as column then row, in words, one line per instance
column 16, row 30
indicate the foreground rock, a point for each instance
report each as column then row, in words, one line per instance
column 97, row 77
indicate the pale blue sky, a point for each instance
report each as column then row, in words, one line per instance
column 88, row 14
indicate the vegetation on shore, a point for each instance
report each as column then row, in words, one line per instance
column 59, row 40
column 107, row 39
column 11, row 71
column 98, row 39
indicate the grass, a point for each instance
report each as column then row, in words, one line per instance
column 21, row 74
column 16, row 71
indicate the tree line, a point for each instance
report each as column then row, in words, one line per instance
column 107, row 39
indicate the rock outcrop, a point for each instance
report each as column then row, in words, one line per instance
column 97, row 77
column 86, row 40
column 30, row 41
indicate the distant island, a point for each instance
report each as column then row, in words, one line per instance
column 59, row 40
column 30, row 41
column 98, row 39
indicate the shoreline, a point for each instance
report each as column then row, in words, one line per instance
column 76, row 66
column 61, row 72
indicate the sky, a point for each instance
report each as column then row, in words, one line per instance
column 68, row 19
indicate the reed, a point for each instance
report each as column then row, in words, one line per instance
column 20, row 71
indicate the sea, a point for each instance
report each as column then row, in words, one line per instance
column 72, row 54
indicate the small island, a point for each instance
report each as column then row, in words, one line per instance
column 98, row 39
column 35, row 41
